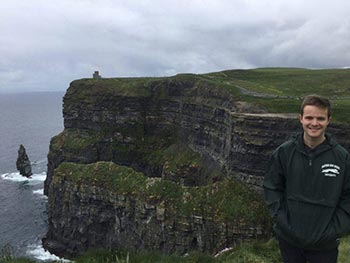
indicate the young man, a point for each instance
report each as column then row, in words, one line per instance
column 307, row 189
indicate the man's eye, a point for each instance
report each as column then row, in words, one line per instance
column 321, row 119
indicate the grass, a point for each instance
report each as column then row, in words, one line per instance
column 176, row 156
column 120, row 179
column 294, row 82
column 258, row 252
column 144, row 257
column 91, row 89
column 74, row 140
column 224, row 200
column 255, row 252
column 286, row 86
column 126, row 87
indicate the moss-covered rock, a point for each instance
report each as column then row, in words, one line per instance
column 124, row 206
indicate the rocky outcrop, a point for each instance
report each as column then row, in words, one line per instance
column 23, row 164
column 182, row 131
column 110, row 206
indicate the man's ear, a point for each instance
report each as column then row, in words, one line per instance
column 300, row 117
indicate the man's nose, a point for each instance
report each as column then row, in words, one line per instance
column 314, row 122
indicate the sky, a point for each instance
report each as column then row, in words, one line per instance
column 46, row 44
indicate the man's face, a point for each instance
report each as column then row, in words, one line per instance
column 315, row 121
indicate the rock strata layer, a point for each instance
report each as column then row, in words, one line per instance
column 110, row 206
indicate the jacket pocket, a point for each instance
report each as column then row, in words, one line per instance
column 311, row 221
column 328, row 236
column 284, row 227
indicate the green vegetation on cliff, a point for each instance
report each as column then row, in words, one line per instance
column 126, row 87
column 293, row 82
column 277, row 90
column 73, row 140
column 281, row 89
column 224, row 200
column 107, row 175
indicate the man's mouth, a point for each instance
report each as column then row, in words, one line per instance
column 314, row 129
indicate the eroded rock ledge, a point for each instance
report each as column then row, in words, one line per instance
column 182, row 132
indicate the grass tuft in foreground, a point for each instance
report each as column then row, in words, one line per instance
column 255, row 252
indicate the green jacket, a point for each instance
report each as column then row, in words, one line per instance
column 308, row 193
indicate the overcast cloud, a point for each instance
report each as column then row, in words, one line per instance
column 45, row 44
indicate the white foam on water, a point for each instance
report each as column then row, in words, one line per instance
column 39, row 253
column 17, row 177
column 40, row 192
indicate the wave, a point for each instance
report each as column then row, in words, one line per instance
column 39, row 253
column 36, row 178
column 40, row 192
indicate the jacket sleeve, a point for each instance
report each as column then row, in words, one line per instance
column 341, row 217
column 274, row 185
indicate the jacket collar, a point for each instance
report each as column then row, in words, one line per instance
column 328, row 144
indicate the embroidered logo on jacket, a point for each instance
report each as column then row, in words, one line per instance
column 330, row 170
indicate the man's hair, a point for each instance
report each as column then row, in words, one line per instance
column 318, row 101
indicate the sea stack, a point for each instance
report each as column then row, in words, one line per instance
column 23, row 164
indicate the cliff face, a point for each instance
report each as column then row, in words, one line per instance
column 111, row 206
column 182, row 131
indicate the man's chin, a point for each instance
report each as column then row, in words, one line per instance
column 314, row 134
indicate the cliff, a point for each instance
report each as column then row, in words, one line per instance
column 199, row 146
column 111, row 206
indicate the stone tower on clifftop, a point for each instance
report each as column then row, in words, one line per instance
column 96, row 75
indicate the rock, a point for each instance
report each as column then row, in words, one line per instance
column 23, row 164
column 114, row 207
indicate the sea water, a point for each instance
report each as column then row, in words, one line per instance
column 31, row 119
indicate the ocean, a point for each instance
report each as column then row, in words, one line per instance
column 31, row 119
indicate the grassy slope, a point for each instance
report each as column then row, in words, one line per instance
column 291, row 81
column 289, row 85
